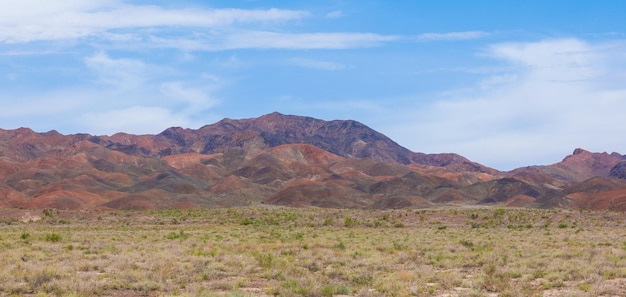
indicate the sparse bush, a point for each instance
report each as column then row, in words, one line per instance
column 350, row 222
column 398, row 246
column 249, row 221
column 129, row 253
column 177, row 235
column 265, row 260
column 340, row 245
column 48, row 212
column 327, row 290
column 53, row 237
column 466, row 243
column 342, row 290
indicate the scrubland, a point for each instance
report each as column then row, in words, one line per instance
column 313, row 252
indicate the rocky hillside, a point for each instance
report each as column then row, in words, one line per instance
column 349, row 139
column 284, row 160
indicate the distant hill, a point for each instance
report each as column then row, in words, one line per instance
column 346, row 138
column 283, row 160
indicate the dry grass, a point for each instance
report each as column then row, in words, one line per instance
column 314, row 252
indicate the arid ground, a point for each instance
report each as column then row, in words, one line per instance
column 313, row 252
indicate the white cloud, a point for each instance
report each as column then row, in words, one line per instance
column 257, row 39
column 154, row 94
column 553, row 60
column 120, row 73
column 195, row 99
column 31, row 20
column 467, row 35
column 317, row 64
column 110, row 24
column 335, row 14
column 497, row 80
column 124, row 94
column 40, row 105
column 272, row 40
column 553, row 100
column 136, row 119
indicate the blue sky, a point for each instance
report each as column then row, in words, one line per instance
column 503, row 83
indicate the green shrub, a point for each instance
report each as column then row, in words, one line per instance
column 265, row 260
column 350, row 222
column 327, row 290
column 48, row 212
column 398, row 225
column 340, row 245
column 467, row 243
column 342, row 289
column 53, row 237
column 250, row 221
column 176, row 235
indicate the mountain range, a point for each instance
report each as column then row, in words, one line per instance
column 283, row 160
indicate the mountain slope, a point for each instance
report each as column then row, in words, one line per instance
column 579, row 166
column 284, row 160
column 346, row 138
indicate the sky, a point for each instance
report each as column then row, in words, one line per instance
column 503, row 83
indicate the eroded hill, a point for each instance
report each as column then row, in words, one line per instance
column 284, row 160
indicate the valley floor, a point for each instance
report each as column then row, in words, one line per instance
column 313, row 252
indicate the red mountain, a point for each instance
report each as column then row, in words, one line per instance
column 280, row 159
column 580, row 165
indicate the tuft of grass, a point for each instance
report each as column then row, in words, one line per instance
column 265, row 260
column 350, row 222
column 467, row 243
column 53, row 237
column 177, row 235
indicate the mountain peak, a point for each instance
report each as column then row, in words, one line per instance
column 275, row 158
column 579, row 151
column 274, row 114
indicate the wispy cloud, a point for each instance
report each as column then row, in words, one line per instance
column 121, row 83
column 31, row 20
column 273, row 40
column 335, row 14
column 195, row 99
column 119, row 73
column 553, row 99
column 554, row 60
column 117, row 94
column 451, row 36
column 114, row 24
column 40, row 105
column 311, row 40
column 142, row 119
column 317, row 64
column 160, row 98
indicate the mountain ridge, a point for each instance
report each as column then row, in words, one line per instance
column 285, row 160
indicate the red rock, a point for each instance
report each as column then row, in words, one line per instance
column 280, row 159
